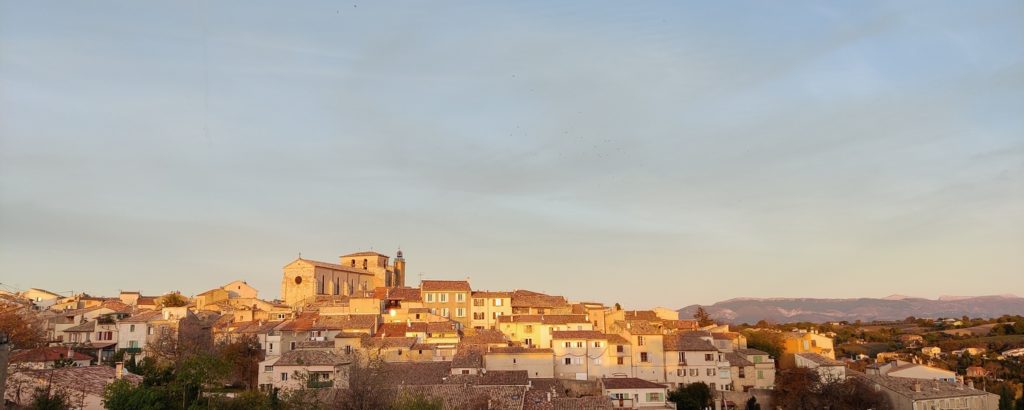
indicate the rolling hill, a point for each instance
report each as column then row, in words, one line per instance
column 897, row 307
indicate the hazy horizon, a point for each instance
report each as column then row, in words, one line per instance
column 655, row 154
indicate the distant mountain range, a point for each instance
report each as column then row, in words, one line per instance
column 895, row 307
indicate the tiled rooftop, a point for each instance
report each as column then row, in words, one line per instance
column 442, row 285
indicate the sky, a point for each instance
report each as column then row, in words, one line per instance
column 651, row 154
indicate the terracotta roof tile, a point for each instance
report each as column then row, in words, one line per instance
column 519, row 350
column 530, row 299
column 491, row 294
column 417, row 373
column 143, row 317
column 735, row 359
column 440, row 285
column 469, row 356
column 91, row 380
column 457, row 396
column 46, row 354
column 578, row 334
column 389, row 342
column 629, row 383
column 401, row 294
column 84, row 327
column 505, row 377
column 825, row 361
column 679, row 342
column 485, row 336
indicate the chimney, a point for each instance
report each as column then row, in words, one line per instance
column 970, row 383
column 917, row 387
column 118, row 370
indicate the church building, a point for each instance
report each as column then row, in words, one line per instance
column 304, row 279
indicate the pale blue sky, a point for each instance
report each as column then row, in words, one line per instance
column 644, row 153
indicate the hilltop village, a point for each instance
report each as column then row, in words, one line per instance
column 441, row 341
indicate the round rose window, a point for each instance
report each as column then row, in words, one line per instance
column 298, row 280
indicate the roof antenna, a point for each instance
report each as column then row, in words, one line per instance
column 300, row 254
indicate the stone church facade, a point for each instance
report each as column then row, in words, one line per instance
column 305, row 279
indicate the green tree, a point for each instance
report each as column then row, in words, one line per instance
column 173, row 300
column 122, row 395
column 693, row 396
column 243, row 358
column 766, row 341
column 702, row 316
column 1006, row 397
column 50, row 399
column 409, row 401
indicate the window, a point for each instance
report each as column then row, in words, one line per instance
column 679, row 372
column 292, row 346
column 743, row 373
column 579, row 344
column 353, row 263
column 682, row 357
column 478, row 302
column 399, row 352
column 711, row 372
column 430, row 297
column 364, row 264
column 597, row 361
column 528, row 342
column 133, row 344
column 597, row 344
column 618, row 348
column 643, row 357
column 131, row 328
column 497, row 302
column 478, row 316
column 513, row 361
column 460, row 312
column 270, row 347
column 528, row 329
column 654, row 397
column 149, row 329
column 465, row 371
column 568, row 360
column 460, row 297
column 284, row 377
column 495, row 315
column 694, row 372
column 442, row 297
column 639, row 340
column 620, row 361
column 444, row 312
column 577, row 360
column 568, row 344
column 760, row 374
column 268, row 369
column 709, row 357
